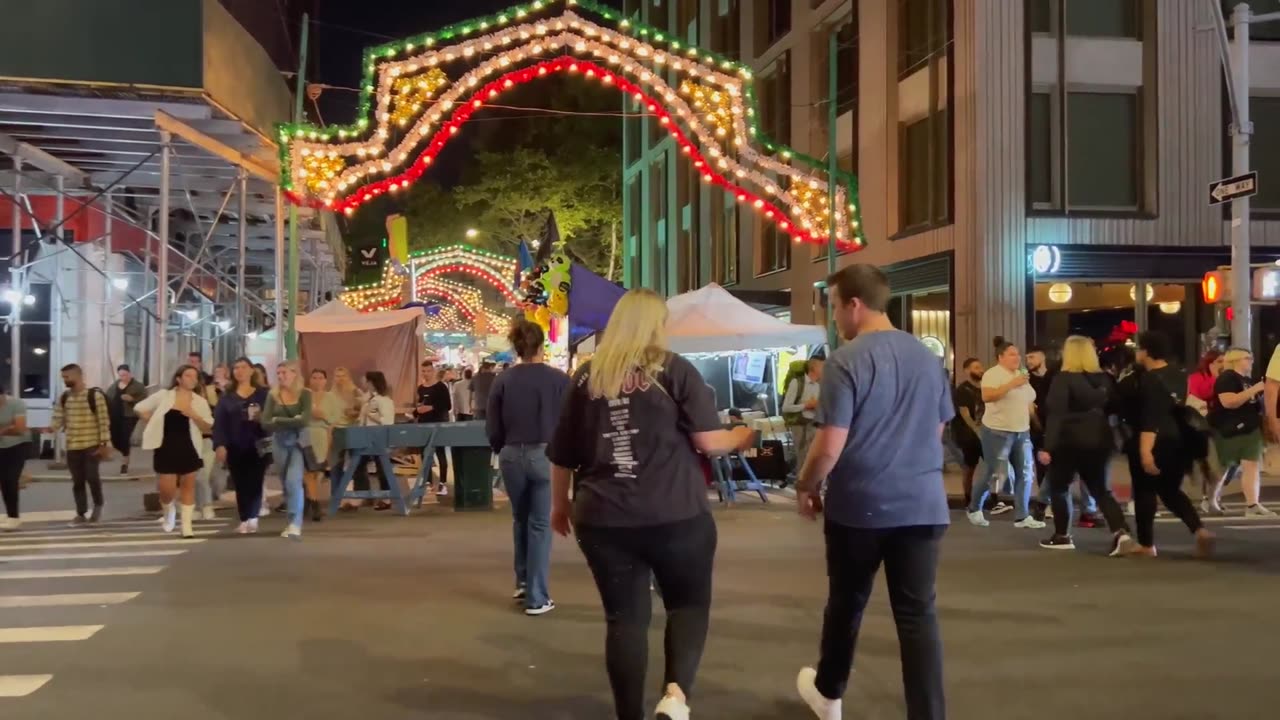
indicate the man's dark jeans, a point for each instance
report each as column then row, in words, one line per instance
column 910, row 558
column 83, row 465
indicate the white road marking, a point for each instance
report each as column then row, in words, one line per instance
column 20, row 538
column 25, row 601
column 107, row 526
column 6, row 559
column 63, row 633
column 1252, row 527
column 21, row 685
column 78, row 572
column 161, row 540
column 48, row 516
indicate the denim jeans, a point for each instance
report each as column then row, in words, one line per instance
column 1045, row 494
column 288, row 457
column 999, row 445
column 527, row 474
column 910, row 558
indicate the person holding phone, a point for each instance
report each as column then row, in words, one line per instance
column 1005, row 434
column 238, row 441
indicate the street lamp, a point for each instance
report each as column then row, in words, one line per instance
column 472, row 233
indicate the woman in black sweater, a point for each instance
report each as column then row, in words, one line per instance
column 1078, row 439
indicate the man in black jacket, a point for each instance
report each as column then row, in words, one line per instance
column 434, row 401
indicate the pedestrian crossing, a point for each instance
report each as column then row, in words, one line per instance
column 51, row 573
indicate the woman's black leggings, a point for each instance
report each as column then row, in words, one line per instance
column 246, row 469
column 622, row 559
column 1091, row 466
column 12, row 460
column 1167, row 486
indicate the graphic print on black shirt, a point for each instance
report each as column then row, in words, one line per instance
column 1231, row 422
column 438, row 398
column 634, row 459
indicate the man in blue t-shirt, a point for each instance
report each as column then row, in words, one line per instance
column 883, row 405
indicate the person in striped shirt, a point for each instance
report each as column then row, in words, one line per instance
column 81, row 412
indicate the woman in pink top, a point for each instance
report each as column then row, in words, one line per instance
column 1200, row 386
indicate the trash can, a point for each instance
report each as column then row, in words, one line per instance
column 472, row 478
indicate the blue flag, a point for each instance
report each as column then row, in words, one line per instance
column 525, row 263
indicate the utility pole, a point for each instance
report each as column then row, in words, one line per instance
column 833, row 166
column 1235, row 62
column 295, row 260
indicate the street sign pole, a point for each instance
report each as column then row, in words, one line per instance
column 1241, row 130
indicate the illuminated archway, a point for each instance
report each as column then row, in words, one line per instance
column 709, row 110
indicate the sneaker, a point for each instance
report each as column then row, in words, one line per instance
column 208, row 514
column 1001, row 508
column 1029, row 523
column 1039, row 510
column 443, row 491
column 541, row 610
column 1128, row 509
column 264, row 511
column 823, row 708
column 95, row 516
column 1058, row 542
column 170, row 519
column 1087, row 520
column 253, row 525
column 78, row 520
column 518, row 594
column 11, row 524
column 1258, row 510
column 1121, row 544
column 244, row 528
column 977, row 520
column 292, row 532
column 671, row 708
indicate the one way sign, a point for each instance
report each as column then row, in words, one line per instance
column 1221, row 191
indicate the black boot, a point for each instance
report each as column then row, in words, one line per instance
column 316, row 513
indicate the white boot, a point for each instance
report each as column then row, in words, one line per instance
column 167, row 517
column 208, row 513
column 188, row 512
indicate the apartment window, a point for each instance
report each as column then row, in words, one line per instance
column 773, row 20
column 726, row 32
column 1264, row 153
column 924, row 122
column 1041, row 17
column 1103, row 165
column 775, row 100
column 688, row 180
column 847, row 67
column 1269, row 31
column 1040, row 150
column 1102, row 18
column 724, row 238
column 775, row 248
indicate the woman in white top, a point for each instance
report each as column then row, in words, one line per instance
column 1006, row 434
column 176, row 421
column 378, row 409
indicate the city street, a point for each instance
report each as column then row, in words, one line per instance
column 375, row 616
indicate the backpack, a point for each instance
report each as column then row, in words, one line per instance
column 1193, row 428
column 93, row 399
column 795, row 372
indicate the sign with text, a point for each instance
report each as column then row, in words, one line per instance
column 749, row 367
column 1232, row 188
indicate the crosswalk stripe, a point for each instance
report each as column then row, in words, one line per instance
column 27, row 601
column 21, row 685
column 1251, row 527
column 78, row 572
column 99, row 527
column 61, row 633
column 6, row 559
column 20, row 538
column 160, row 540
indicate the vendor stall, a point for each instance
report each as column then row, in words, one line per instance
column 335, row 335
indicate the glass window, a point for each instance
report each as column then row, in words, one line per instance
column 726, row 34
column 1040, row 16
column 1102, row 18
column 847, row 68
column 922, row 32
column 915, row 174
column 775, row 100
column 1103, row 150
column 1264, row 153
column 775, row 248
column 724, row 239
column 778, row 21
column 1040, row 151
column 924, row 143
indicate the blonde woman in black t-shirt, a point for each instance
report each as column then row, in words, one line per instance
column 1236, row 417
column 635, row 420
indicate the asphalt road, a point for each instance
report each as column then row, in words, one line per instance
column 379, row 617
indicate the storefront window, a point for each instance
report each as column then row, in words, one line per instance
column 1106, row 312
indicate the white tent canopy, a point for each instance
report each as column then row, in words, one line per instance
column 711, row 320
column 336, row 316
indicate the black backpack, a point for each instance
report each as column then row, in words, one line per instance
column 93, row 399
column 1193, row 428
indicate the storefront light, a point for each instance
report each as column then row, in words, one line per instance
column 1170, row 308
column 1060, row 292
column 1133, row 292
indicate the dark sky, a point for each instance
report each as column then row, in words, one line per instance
column 343, row 28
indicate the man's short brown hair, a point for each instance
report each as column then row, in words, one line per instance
column 866, row 283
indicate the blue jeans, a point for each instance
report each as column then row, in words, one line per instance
column 1044, row 496
column 999, row 445
column 288, row 458
column 526, row 471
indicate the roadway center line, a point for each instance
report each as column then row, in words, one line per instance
column 63, row 633
column 78, row 572
column 26, row 601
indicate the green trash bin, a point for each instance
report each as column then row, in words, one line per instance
column 472, row 478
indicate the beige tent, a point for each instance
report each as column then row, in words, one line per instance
column 335, row 335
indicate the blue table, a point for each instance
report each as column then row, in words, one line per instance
column 357, row 444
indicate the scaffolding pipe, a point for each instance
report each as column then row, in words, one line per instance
column 162, row 274
column 106, row 295
column 242, row 231
column 15, row 280
column 148, row 326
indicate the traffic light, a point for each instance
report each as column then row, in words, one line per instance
column 1215, row 287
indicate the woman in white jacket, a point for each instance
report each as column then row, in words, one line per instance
column 176, row 420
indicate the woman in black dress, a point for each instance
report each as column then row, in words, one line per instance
column 177, row 419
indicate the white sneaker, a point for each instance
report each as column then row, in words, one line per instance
column 1029, row 523
column 671, row 708
column 541, row 610
column 11, row 524
column 977, row 519
column 244, row 528
column 518, row 594
column 1258, row 510
column 1000, row 508
column 253, row 525
column 293, row 531
column 264, row 511
column 823, row 708
column 207, row 513
column 169, row 521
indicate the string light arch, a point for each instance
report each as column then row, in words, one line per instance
column 710, row 110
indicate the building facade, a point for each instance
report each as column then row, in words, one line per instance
column 1026, row 168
